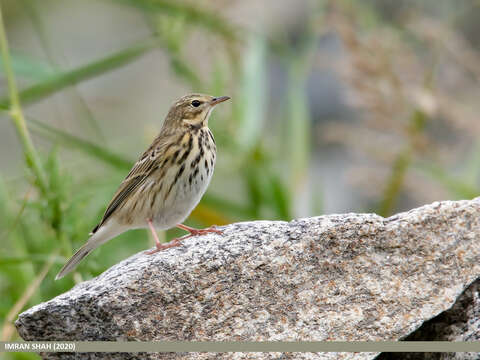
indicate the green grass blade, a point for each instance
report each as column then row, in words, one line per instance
column 280, row 198
column 191, row 13
column 298, row 126
column 62, row 80
column 253, row 95
column 37, row 258
column 254, row 191
column 32, row 159
column 74, row 142
column 171, row 35
column 472, row 171
column 456, row 186
column 26, row 67
column 31, row 8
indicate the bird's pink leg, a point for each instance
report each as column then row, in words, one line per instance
column 176, row 242
column 158, row 244
column 195, row 232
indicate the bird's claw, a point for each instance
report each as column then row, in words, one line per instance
column 206, row 231
column 161, row 247
column 177, row 242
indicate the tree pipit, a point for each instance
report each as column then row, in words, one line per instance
column 166, row 183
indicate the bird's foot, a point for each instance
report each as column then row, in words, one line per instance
column 158, row 245
column 177, row 242
column 195, row 232
column 161, row 247
column 211, row 229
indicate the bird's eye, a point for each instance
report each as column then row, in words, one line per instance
column 196, row 103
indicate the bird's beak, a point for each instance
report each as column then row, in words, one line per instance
column 218, row 100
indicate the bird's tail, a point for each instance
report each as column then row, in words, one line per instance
column 75, row 259
column 102, row 235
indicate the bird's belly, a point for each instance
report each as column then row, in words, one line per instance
column 182, row 199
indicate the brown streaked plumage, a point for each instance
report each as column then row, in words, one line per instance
column 166, row 183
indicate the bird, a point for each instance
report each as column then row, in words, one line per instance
column 166, row 183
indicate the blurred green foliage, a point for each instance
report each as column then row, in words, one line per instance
column 48, row 212
column 42, row 224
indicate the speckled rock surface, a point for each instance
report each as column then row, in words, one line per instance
column 459, row 323
column 335, row 277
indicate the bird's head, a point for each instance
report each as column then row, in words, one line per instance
column 192, row 111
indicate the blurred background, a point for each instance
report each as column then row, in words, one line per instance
column 337, row 106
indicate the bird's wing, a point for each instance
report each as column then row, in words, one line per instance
column 148, row 162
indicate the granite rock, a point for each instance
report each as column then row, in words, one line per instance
column 459, row 323
column 335, row 277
